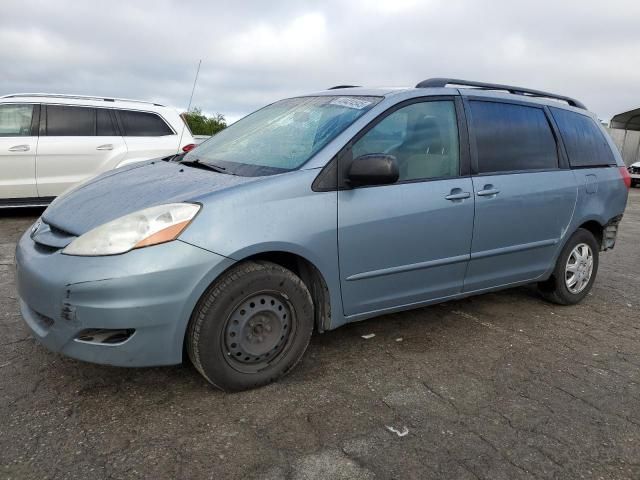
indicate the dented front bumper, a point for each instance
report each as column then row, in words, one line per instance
column 148, row 293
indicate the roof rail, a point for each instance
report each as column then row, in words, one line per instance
column 443, row 82
column 342, row 86
column 78, row 97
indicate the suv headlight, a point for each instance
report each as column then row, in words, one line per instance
column 143, row 228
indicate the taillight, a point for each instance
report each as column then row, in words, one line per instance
column 188, row 147
column 626, row 178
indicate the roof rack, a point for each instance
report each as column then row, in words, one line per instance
column 78, row 97
column 443, row 82
column 342, row 86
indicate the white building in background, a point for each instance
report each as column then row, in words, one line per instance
column 624, row 129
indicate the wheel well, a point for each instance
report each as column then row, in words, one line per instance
column 595, row 228
column 311, row 277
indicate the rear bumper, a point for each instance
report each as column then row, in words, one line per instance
column 610, row 233
column 149, row 293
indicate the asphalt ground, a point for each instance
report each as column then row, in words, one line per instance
column 499, row 386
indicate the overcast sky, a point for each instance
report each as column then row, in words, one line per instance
column 254, row 52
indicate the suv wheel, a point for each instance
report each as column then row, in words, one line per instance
column 575, row 270
column 251, row 327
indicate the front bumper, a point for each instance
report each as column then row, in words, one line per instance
column 150, row 291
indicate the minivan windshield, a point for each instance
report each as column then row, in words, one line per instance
column 281, row 136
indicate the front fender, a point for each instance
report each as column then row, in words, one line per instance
column 275, row 214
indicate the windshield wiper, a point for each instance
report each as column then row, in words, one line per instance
column 197, row 163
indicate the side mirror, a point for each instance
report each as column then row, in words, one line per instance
column 373, row 169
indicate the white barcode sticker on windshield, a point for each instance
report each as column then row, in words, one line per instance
column 350, row 102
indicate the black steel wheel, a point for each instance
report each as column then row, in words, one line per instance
column 251, row 327
column 258, row 331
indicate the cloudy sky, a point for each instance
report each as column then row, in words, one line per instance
column 254, row 52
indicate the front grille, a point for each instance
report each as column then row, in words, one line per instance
column 42, row 248
column 50, row 237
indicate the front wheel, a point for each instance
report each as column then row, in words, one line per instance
column 251, row 327
column 575, row 270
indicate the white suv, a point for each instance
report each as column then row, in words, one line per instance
column 49, row 143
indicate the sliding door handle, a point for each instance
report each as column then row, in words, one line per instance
column 488, row 191
column 106, row 146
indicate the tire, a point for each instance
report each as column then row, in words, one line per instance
column 251, row 326
column 557, row 288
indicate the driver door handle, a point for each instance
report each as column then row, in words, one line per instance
column 457, row 196
column 20, row 148
column 106, row 146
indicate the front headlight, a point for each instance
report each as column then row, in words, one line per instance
column 143, row 228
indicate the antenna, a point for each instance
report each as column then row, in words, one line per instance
column 184, row 120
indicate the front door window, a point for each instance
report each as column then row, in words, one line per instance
column 422, row 136
column 15, row 120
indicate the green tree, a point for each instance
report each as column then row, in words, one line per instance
column 200, row 124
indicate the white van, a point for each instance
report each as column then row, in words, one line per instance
column 50, row 142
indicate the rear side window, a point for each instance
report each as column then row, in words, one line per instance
column 512, row 138
column 104, row 124
column 585, row 143
column 65, row 121
column 15, row 120
column 143, row 124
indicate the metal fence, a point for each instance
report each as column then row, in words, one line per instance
column 628, row 142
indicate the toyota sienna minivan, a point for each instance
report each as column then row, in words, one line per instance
column 317, row 211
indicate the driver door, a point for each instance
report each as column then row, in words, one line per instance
column 409, row 242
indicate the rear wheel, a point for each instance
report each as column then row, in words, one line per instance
column 251, row 327
column 575, row 270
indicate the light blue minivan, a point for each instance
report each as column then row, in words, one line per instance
column 317, row 211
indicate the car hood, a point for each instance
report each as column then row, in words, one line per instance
column 637, row 165
column 131, row 188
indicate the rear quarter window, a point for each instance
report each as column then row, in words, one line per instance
column 585, row 143
column 143, row 124
column 512, row 137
